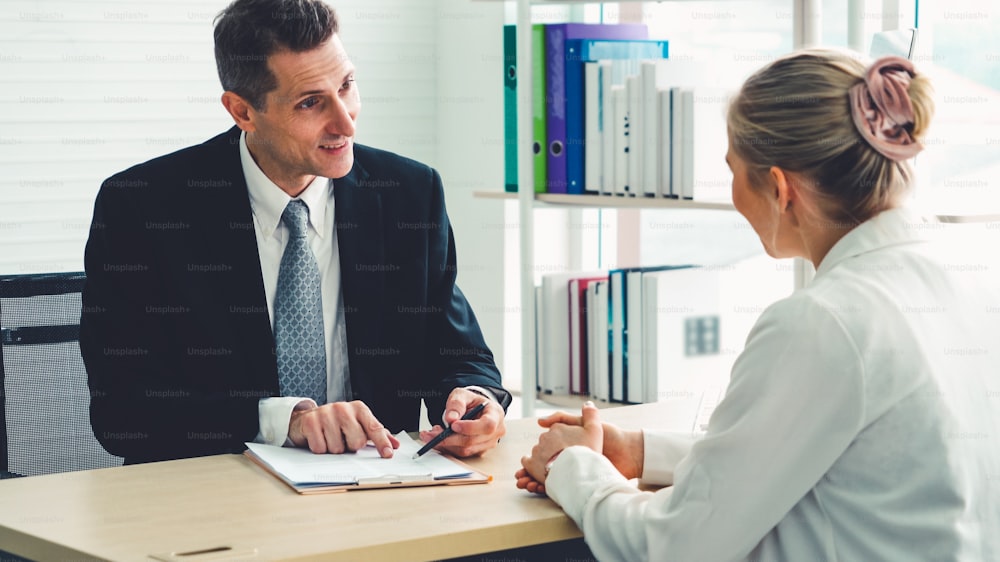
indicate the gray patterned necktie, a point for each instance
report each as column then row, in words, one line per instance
column 298, row 313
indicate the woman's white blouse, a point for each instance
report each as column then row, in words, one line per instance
column 861, row 423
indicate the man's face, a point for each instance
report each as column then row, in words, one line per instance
column 308, row 123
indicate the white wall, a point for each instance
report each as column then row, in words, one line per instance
column 87, row 89
column 469, row 110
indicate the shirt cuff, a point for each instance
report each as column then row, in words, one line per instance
column 482, row 391
column 500, row 395
column 576, row 475
column 662, row 451
column 275, row 413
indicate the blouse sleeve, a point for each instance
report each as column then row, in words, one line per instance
column 662, row 450
column 794, row 404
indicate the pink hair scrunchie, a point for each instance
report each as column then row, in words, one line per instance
column 882, row 110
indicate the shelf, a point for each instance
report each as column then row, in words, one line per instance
column 617, row 202
column 607, row 201
column 964, row 219
column 573, row 402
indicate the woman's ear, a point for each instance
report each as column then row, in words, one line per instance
column 781, row 186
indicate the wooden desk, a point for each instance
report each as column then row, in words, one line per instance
column 128, row 513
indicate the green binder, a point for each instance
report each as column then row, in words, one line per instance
column 540, row 135
column 510, row 106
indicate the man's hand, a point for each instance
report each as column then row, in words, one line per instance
column 340, row 427
column 585, row 430
column 472, row 437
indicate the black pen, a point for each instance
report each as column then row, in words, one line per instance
column 470, row 415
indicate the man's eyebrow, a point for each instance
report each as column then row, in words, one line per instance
column 321, row 92
column 310, row 93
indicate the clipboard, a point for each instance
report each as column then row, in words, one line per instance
column 307, row 473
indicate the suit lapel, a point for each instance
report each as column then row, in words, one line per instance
column 232, row 241
column 358, row 220
column 360, row 238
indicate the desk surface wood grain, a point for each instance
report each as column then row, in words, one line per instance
column 133, row 512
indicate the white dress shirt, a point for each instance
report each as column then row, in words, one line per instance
column 268, row 202
column 861, row 423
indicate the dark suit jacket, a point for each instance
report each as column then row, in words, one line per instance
column 175, row 332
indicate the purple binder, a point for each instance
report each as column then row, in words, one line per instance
column 557, row 88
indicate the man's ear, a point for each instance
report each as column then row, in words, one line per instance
column 240, row 110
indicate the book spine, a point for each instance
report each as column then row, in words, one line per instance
column 665, row 149
column 620, row 166
column 555, row 108
column 687, row 144
column 593, row 143
column 608, row 130
column 510, row 107
column 650, row 130
column 676, row 142
column 539, row 134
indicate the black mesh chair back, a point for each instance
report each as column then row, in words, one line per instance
column 44, row 397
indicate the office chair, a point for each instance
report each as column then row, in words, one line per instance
column 44, row 397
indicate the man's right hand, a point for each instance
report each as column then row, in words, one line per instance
column 338, row 428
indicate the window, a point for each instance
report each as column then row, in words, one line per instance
column 959, row 48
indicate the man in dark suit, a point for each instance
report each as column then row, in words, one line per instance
column 186, row 273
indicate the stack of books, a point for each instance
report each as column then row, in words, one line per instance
column 648, row 334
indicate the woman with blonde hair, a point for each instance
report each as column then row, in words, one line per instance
column 861, row 420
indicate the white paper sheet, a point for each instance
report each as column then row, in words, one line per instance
column 303, row 468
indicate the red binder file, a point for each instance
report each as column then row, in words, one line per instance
column 578, row 348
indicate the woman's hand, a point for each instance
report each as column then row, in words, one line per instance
column 586, row 430
column 623, row 448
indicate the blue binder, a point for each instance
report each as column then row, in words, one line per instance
column 579, row 51
column 621, row 376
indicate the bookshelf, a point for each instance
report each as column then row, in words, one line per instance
column 805, row 19
column 806, row 29
column 968, row 219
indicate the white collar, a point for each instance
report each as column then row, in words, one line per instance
column 901, row 225
column 268, row 201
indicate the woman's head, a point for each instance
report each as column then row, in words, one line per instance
column 841, row 132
